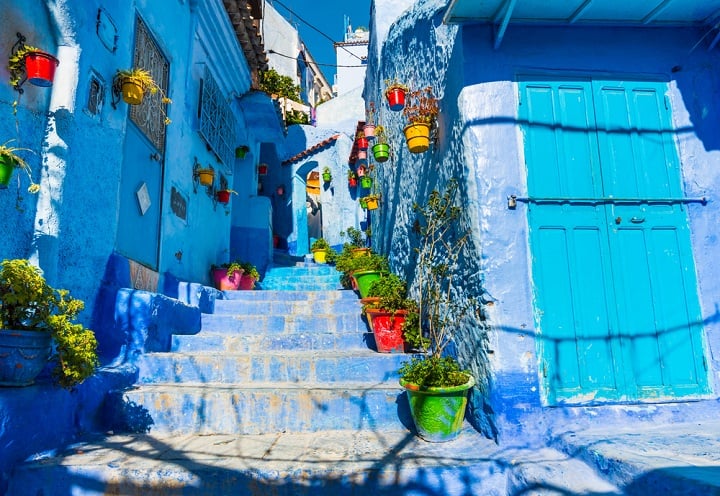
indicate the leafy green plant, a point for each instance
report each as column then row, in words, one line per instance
column 144, row 79
column 9, row 153
column 230, row 267
column 347, row 263
column 380, row 134
column 355, row 237
column 320, row 244
column 440, row 310
column 274, row 83
column 28, row 303
column 250, row 269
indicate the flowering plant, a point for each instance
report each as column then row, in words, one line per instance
column 380, row 134
column 370, row 113
column 9, row 153
column 422, row 106
column 145, row 79
column 391, row 84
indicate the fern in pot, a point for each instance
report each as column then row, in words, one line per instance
column 436, row 384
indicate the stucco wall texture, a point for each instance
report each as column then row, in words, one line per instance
column 480, row 143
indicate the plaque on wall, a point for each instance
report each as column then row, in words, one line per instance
column 178, row 203
column 143, row 198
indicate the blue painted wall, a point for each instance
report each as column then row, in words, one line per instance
column 480, row 143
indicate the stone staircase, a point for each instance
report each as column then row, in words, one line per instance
column 281, row 392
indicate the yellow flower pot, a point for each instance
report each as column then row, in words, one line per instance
column 206, row 176
column 320, row 256
column 132, row 91
column 417, row 135
column 372, row 203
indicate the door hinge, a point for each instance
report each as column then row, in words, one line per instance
column 544, row 369
column 667, row 102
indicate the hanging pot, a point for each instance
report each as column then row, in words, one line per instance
column 363, row 203
column 40, row 68
column 223, row 196
column 206, row 176
column 381, row 152
column 417, row 135
column 369, row 131
column 362, row 155
column 438, row 412
column 132, row 91
column 362, row 143
column 327, row 177
column 372, row 203
column 7, row 166
column 396, row 98
column 352, row 182
column 240, row 151
column 366, row 182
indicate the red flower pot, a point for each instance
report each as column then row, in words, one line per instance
column 395, row 98
column 352, row 183
column 387, row 329
column 40, row 68
column 225, row 282
column 223, row 196
column 362, row 143
column 247, row 282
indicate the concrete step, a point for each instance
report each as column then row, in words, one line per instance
column 303, row 270
column 301, row 285
column 310, row 306
column 283, row 324
column 282, row 366
column 262, row 342
column 331, row 463
column 292, row 295
column 259, row 407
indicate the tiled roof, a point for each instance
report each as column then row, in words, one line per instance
column 312, row 150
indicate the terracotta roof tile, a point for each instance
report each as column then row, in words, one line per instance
column 310, row 151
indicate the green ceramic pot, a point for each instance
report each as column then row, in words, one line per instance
column 364, row 279
column 381, row 152
column 438, row 412
column 7, row 166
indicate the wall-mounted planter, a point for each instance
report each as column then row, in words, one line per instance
column 7, row 166
column 417, row 135
column 396, row 97
column 366, row 182
column 373, row 202
column 223, row 196
column 369, row 131
column 381, row 152
column 362, row 143
column 363, row 203
column 241, row 151
column 206, row 176
column 132, row 91
column 352, row 182
column 40, row 68
column 327, row 177
column 262, row 169
column 362, row 154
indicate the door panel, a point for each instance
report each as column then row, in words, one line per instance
column 615, row 291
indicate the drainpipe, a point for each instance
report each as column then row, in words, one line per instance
column 48, row 216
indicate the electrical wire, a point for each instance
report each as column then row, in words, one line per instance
column 313, row 27
column 316, row 63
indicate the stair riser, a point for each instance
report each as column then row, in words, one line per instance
column 262, row 324
column 285, row 295
column 290, row 368
column 237, row 411
column 312, row 307
column 257, row 343
column 300, row 286
column 297, row 271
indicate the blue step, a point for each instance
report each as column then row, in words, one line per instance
column 261, row 407
column 282, row 324
column 282, row 366
column 214, row 341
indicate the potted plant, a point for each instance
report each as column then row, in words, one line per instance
column 363, row 203
column 352, row 179
column 421, row 111
column 35, row 64
column 227, row 276
column 381, row 149
column 223, row 195
column 327, row 175
column 241, row 151
column 366, row 182
column 435, row 383
column 366, row 269
column 386, row 308
column 37, row 324
column 395, row 93
column 372, row 202
column 369, row 127
column 9, row 160
column 206, row 176
column 356, row 242
column 361, row 141
column 321, row 250
column 133, row 83
column 250, row 276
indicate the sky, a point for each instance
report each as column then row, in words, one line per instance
column 328, row 17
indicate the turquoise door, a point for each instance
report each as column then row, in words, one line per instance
column 615, row 292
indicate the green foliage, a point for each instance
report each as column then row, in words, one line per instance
column 320, row 244
column 355, row 236
column 9, row 153
column 28, row 303
column 296, row 117
column 230, row 267
column 347, row 263
column 392, row 291
column 274, row 83
column 434, row 371
column 440, row 310
column 250, row 270
column 144, row 79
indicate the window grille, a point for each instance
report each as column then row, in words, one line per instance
column 96, row 94
column 149, row 116
column 217, row 123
